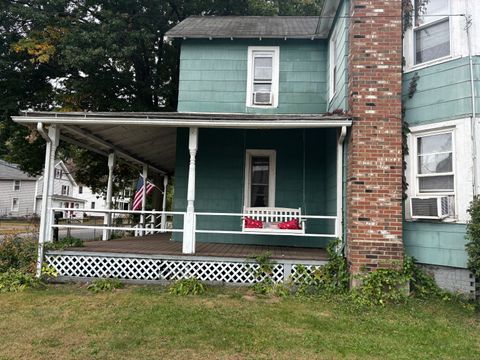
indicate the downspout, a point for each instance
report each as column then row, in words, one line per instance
column 473, row 127
column 338, row 225
column 44, row 211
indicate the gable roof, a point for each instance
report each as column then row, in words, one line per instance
column 298, row 27
column 10, row 171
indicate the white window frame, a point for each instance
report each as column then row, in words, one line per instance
column 272, row 155
column 424, row 26
column 17, row 209
column 332, row 66
column 58, row 173
column 252, row 50
column 15, row 182
column 414, row 162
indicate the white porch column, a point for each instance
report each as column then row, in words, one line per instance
column 54, row 135
column 163, row 223
column 51, row 140
column 144, row 197
column 338, row 224
column 189, row 221
column 107, row 218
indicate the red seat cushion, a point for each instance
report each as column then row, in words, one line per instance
column 253, row 224
column 290, row 225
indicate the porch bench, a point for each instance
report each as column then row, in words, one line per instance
column 270, row 216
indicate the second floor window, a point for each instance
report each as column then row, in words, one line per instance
column 58, row 173
column 431, row 30
column 16, row 185
column 65, row 190
column 263, row 75
column 80, row 189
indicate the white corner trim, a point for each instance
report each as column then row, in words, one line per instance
column 275, row 75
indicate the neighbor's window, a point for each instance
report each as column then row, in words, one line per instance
column 16, row 185
column 263, row 75
column 260, row 178
column 92, row 205
column 435, row 173
column 58, row 173
column 65, row 190
column 431, row 30
column 80, row 189
column 15, row 204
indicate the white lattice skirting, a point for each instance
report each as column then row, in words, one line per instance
column 149, row 267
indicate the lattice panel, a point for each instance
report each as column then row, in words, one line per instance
column 302, row 276
column 157, row 269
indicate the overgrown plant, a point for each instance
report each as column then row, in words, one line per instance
column 14, row 280
column 473, row 237
column 65, row 243
column 263, row 273
column 190, row 286
column 18, row 253
column 330, row 278
column 101, row 285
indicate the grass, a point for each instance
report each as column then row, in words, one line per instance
column 69, row 322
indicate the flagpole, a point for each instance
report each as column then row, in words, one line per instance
column 144, row 195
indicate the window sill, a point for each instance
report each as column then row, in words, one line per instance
column 430, row 63
column 263, row 106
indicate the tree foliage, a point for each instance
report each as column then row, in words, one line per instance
column 102, row 55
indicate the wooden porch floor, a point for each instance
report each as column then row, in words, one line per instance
column 160, row 244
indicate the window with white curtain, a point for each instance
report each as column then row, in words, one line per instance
column 431, row 30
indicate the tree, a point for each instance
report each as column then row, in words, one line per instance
column 102, row 55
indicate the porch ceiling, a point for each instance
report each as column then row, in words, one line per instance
column 150, row 138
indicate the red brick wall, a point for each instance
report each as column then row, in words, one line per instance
column 374, row 209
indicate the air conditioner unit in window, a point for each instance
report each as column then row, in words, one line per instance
column 262, row 98
column 435, row 207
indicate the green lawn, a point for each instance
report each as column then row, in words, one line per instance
column 68, row 322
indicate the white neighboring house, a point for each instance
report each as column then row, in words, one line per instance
column 17, row 191
column 98, row 202
column 65, row 190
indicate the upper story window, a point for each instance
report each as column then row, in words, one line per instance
column 431, row 30
column 65, row 190
column 434, row 171
column 16, row 185
column 263, row 76
column 58, row 173
column 80, row 189
column 332, row 66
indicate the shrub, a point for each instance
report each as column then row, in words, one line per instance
column 263, row 274
column 18, row 253
column 65, row 243
column 473, row 237
column 190, row 286
column 330, row 278
column 15, row 280
column 104, row 285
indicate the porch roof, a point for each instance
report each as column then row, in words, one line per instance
column 150, row 137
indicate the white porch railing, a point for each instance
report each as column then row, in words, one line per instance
column 153, row 223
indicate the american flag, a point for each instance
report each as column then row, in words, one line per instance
column 137, row 200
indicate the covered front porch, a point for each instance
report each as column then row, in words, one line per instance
column 210, row 156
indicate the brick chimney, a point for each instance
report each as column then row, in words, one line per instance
column 374, row 209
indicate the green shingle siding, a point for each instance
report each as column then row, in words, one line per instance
column 443, row 92
column 220, row 179
column 213, row 75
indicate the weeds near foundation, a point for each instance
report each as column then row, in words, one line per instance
column 184, row 287
column 102, row 285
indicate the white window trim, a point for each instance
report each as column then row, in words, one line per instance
column 19, row 185
column 275, row 75
column 414, row 160
column 59, row 172
column 332, row 46
column 18, row 205
column 411, row 47
column 272, row 154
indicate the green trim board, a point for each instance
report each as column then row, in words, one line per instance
column 443, row 92
column 436, row 243
column 213, row 76
column 220, row 180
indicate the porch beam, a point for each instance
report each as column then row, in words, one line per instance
column 120, row 152
column 107, row 219
column 188, row 246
